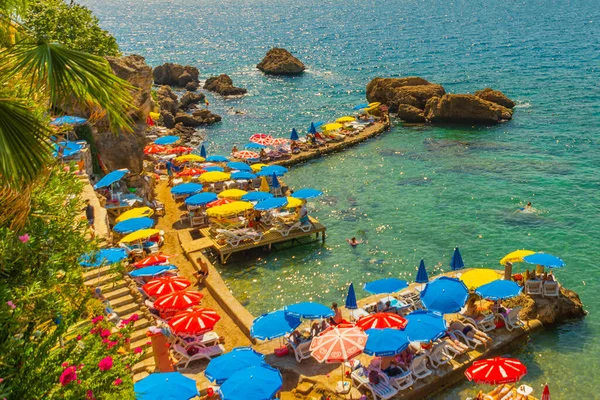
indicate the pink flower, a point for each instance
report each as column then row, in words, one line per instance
column 11, row 304
column 1, row 380
column 105, row 333
column 65, row 364
column 90, row 395
column 110, row 345
column 97, row 319
column 106, row 363
column 25, row 238
column 78, row 337
column 148, row 343
column 127, row 340
column 118, row 381
column 68, row 375
column 137, row 350
column 134, row 317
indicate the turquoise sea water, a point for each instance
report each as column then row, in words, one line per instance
column 415, row 192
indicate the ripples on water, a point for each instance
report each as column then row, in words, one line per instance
column 417, row 191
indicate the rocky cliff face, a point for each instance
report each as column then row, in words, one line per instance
column 175, row 74
column 549, row 310
column 134, row 70
column 280, row 62
column 223, row 85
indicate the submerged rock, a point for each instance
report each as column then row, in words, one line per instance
column 223, row 85
column 279, row 61
column 495, row 96
column 175, row 74
column 549, row 310
column 465, row 108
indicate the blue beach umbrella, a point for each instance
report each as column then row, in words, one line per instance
column 240, row 166
column 385, row 342
column 425, row 326
column 271, row 204
column 275, row 182
column 257, row 196
column 68, row 120
column 360, row 106
column 499, row 290
column 186, row 188
column 294, row 134
column 201, row 199
column 216, row 158
column 309, row 310
column 386, row 285
column 456, row 262
column 255, row 146
column 257, row 383
column 203, row 152
column 422, row 273
column 166, row 140
column 245, row 175
column 221, row 368
column 319, row 123
column 445, row 295
column 272, row 169
column 103, row 257
column 312, row 128
column 306, row 193
column 213, row 168
column 134, row 224
column 68, row 148
column 543, row 259
column 351, row 298
column 111, row 178
column 152, row 271
column 273, row 325
column 165, row 386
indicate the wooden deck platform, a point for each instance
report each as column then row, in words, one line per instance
column 225, row 250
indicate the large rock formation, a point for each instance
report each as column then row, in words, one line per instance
column 125, row 150
column 175, row 74
column 133, row 69
column 223, row 85
column 495, row 96
column 549, row 310
column 280, row 62
column 412, row 90
column 197, row 118
column 190, row 99
column 167, row 99
column 409, row 113
column 172, row 107
column 465, row 108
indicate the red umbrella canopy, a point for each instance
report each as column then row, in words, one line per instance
column 546, row 393
column 154, row 149
column 179, row 150
column 495, row 371
column 165, row 285
column 382, row 320
column 178, row 300
column 338, row 344
column 279, row 141
column 156, row 259
column 245, row 155
column 219, row 202
column 191, row 172
column 195, row 322
column 261, row 138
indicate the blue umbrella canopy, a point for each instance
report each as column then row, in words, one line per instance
column 422, row 276
column 275, row 182
column 111, row 178
column 271, row 204
column 254, row 146
column 201, row 199
column 273, row 325
column 294, row 135
column 361, row 106
column 319, row 123
column 240, row 166
column 203, row 151
column 257, row 383
column 445, row 295
column 351, row 298
column 68, row 148
column 103, row 257
column 216, row 158
column 309, row 310
column 546, row 260
column 456, row 262
column 186, row 188
column 221, row 368
column 166, row 140
column 272, row 169
column 385, row 342
column 152, row 271
column 386, row 285
column 165, row 386
column 425, row 326
column 257, row 196
column 212, row 168
column 306, row 193
column 499, row 290
column 68, row 120
column 246, row 175
column 312, row 128
column 133, row 224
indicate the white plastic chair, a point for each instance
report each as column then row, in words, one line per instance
column 419, row 368
column 381, row 390
column 204, row 353
column 511, row 320
column 533, row 287
column 551, row 289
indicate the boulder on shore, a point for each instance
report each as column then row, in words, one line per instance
column 549, row 310
column 279, row 61
column 197, row 118
column 408, row 113
column 175, row 74
column 495, row 96
column 167, row 99
column 465, row 108
column 189, row 99
column 223, row 85
column 192, row 86
column 412, row 90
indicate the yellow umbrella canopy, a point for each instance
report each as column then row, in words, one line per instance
column 332, row 127
column 293, row 202
column 139, row 235
column 479, row 277
column 374, row 104
column 264, row 185
column 214, row 176
column 136, row 213
column 257, row 167
column 228, row 210
column 347, row 118
column 233, row 194
column 155, row 116
column 189, row 158
column 516, row 256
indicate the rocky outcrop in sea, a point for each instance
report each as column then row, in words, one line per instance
column 174, row 110
column 176, row 75
column 223, row 85
column 279, row 61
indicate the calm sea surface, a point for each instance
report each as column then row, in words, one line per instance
column 415, row 192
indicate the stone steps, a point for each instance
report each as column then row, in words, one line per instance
column 113, row 294
column 121, row 301
column 127, row 309
column 109, row 281
column 96, row 272
column 144, row 364
column 139, row 376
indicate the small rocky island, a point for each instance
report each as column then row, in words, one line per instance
column 223, row 85
column 176, row 75
column 414, row 99
column 279, row 61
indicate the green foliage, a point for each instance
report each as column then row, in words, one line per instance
column 72, row 25
column 84, row 132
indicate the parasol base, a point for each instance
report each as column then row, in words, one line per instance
column 343, row 387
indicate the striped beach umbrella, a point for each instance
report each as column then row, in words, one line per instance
column 261, row 138
column 381, row 320
column 496, row 371
column 178, row 300
column 195, row 322
column 166, row 285
column 338, row 344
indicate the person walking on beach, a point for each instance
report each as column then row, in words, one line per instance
column 169, row 166
column 89, row 215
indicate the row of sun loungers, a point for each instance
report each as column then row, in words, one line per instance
column 543, row 288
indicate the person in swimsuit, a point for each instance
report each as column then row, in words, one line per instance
column 353, row 242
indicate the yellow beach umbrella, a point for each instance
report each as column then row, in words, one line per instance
column 154, row 115
column 264, row 185
column 374, row 104
column 478, row 277
column 233, row 194
column 139, row 235
column 516, row 256
column 347, row 118
column 136, row 213
column 332, row 127
column 189, row 158
column 257, row 167
column 214, row 176
column 293, row 202
column 228, row 210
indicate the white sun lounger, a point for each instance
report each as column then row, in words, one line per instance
column 533, row 287
column 381, row 390
column 419, row 368
column 550, row 289
column 438, row 355
column 486, row 324
column 285, row 229
column 301, row 351
column 511, row 320
column 234, row 238
column 402, row 381
column 204, row 353
column 208, row 339
column 461, row 337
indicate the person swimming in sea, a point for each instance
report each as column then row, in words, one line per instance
column 353, row 242
column 527, row 209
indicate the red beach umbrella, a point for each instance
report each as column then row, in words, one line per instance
column 180, row 150
column 195, row 322
column 382, row 320
column 178, row 300
column 546, row 393
column 191, row 172
column 261, row 138
column 245, row 155
column 219, row 202
column 154, row 149
column 149, row 121
column 279, row 141
column 156, row 259
column 165, row 285
column 338, row 344
column 495, row 371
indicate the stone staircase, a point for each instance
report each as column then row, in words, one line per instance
column 125, row 301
